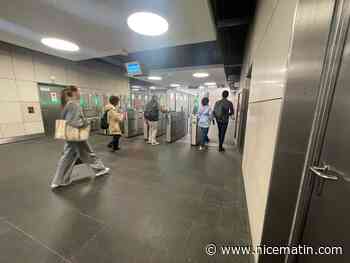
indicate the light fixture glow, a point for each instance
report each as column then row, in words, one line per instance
column 210, row 83
column 60, row 44
column 154, row 78
column 152, row 87
column 148, row 24
column 174, row 85
column 200, row 75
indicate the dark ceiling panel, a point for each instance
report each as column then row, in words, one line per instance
column 232, row 20
column 205, row 53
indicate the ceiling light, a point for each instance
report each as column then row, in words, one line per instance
column 152, row 87
column 200, row 75
column 148, row 24
column 210, row 83
column 154, row 78
column 174, row 85
column 60, row 44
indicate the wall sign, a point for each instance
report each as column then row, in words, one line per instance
column 53, row 96
column 31, row 110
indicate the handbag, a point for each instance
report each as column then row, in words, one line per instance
column 66, row 132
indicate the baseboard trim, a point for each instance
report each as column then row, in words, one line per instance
column 21, row 138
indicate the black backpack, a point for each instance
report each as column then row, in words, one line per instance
column 104, row 121
column 218, row 110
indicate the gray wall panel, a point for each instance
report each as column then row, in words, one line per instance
column 311, row 30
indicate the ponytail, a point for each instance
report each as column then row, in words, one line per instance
column 67, row 94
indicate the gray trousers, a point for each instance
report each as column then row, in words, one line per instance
column 72, row 152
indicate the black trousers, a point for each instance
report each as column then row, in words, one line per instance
column 115, row 142
column 222, row 126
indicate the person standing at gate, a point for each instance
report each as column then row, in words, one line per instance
column 152, row 116
column 114, row 120
column 75, row 151
column 223, row 109
column 204, row 120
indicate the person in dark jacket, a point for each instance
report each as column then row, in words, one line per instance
column 152, row 116
column 75, row 152
column 223, row 109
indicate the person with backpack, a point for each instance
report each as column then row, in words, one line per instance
column 223, row 109
column 152, row 116
column 204, row 120
column 112, row 121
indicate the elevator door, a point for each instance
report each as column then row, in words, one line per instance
column 328, row 220
column 50, row 101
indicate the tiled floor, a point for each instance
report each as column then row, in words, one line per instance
column 160, row 204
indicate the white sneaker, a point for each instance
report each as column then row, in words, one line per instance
column 54, row 186
column 155, row 143
column 103, row 172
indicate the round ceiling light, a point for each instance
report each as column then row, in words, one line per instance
column 148, row 24
column 154, row 78
column 210, row 83
column 60, row 44
column 200, row 75
column 174, row 85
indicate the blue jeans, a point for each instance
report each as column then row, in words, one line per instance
column 204, row 136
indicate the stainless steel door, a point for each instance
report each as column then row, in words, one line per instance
column 328, row 218
column 50, row 101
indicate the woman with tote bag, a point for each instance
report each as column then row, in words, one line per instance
column 75, row 149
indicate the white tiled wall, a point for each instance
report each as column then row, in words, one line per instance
column 10, row 112
column 20, row 72
column 27, row 90
column 268, row 53
column 8, row 90
column 23, row 65
column 262, row 123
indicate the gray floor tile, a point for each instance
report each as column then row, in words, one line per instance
column 159, row 204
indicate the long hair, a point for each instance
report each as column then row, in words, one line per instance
column 67, row 94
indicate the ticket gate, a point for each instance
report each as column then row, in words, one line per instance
column 133, row 123
column 194, row 130
column 176, row 126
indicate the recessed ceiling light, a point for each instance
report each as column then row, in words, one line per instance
column 174, row 85
column 148, row 24
column 200, row 75
column 210, row 83
column 60, row 44
column 154, row 78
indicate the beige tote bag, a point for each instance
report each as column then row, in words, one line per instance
column 66, row 132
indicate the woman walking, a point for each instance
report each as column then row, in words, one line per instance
column 75, row 151
column 114, row 119
column 205, row 116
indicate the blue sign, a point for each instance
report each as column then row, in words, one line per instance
column 133, row 68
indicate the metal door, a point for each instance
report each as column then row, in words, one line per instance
column 328, row 217
column 50, row 101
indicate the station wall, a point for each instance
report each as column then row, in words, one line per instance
column 22, row 69
column 267, row 54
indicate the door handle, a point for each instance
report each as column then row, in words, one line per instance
column 322, row 172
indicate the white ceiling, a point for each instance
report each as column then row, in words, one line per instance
column 183, row 76
column 99, row 26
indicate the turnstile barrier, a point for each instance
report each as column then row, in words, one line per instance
column 176, row 126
